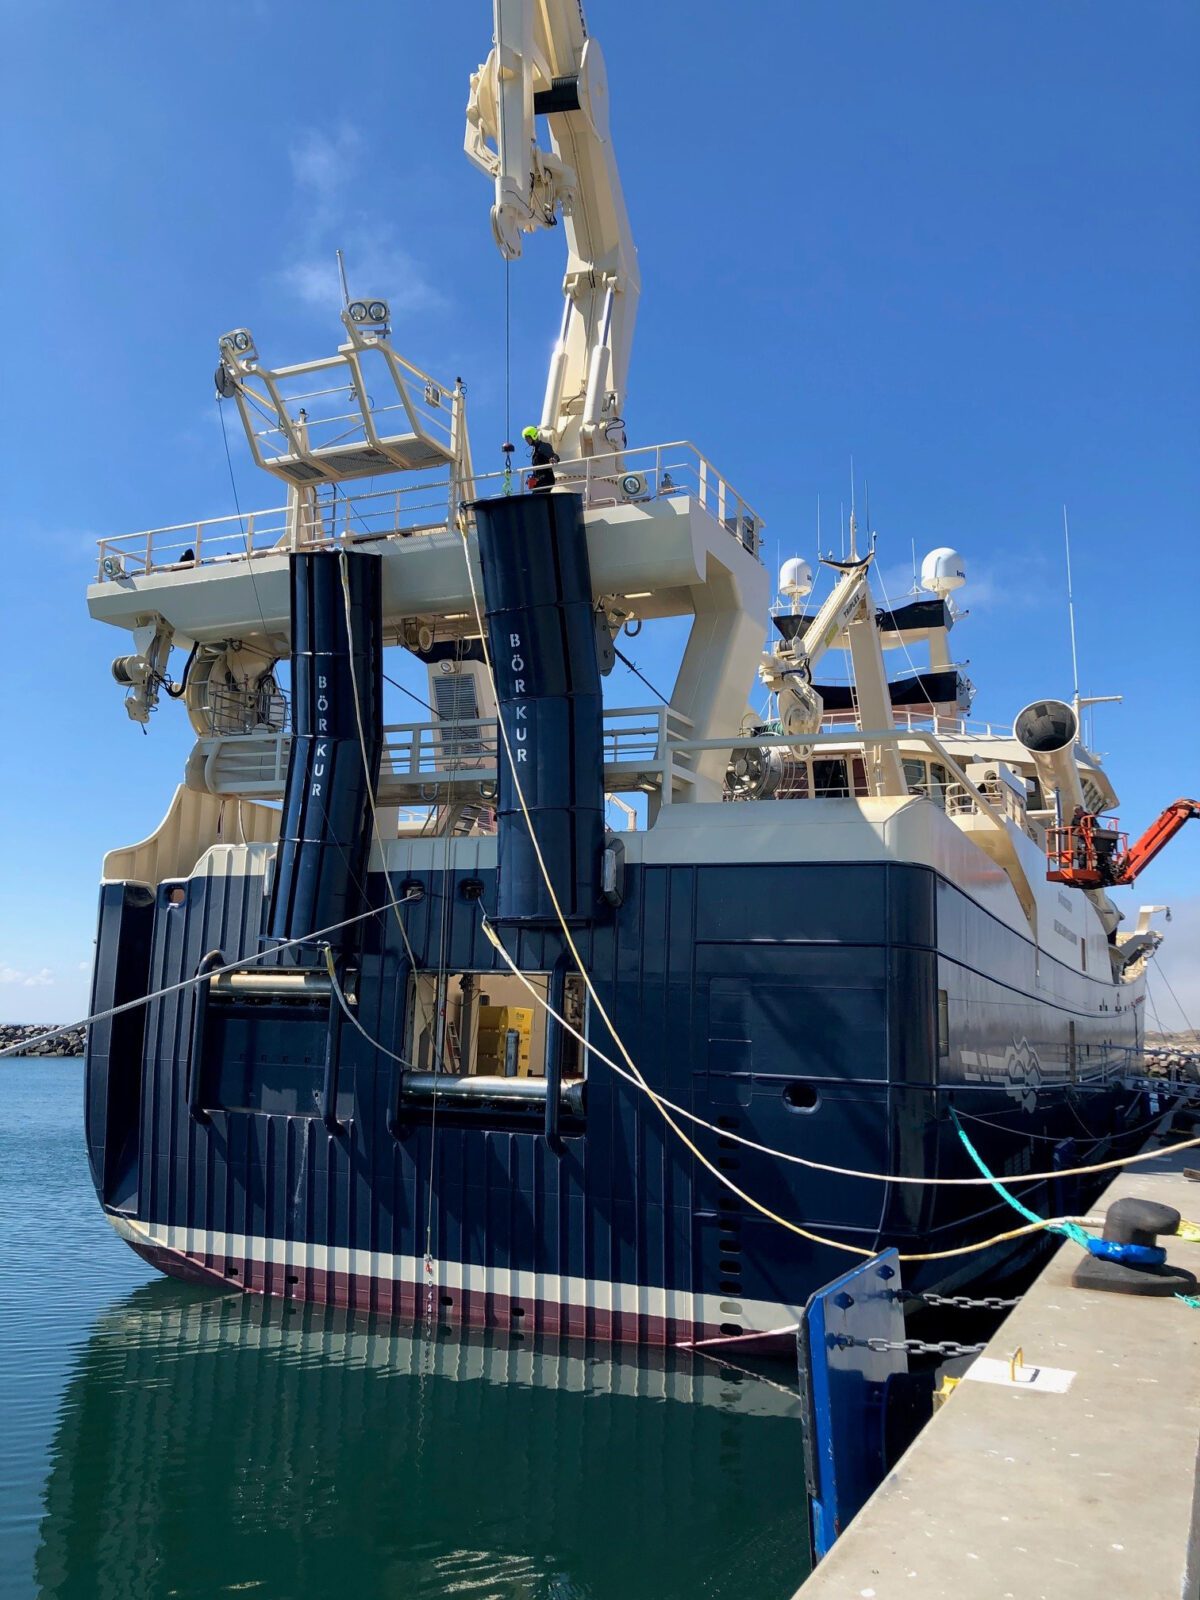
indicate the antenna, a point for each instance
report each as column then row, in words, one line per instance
column 853, row 527
column 341, row 261
column 1088, row 700
column 916, row 588
column 1071, row 614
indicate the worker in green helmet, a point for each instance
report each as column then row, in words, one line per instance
column 542, row 458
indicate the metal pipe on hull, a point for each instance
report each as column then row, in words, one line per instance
column 270, row 983
column 445, row 1086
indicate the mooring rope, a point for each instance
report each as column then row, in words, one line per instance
column 187, row 983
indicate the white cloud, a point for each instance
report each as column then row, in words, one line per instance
column 19, row 979
column 325, row 169
column 375, row 266
column 324, row 163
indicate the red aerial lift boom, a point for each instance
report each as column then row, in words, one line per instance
column 1091, row 852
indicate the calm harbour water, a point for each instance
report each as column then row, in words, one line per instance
column 160, row 1440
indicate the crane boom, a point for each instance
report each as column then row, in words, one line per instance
column 543, row 62
column 848, row 613
column 1089, row 850
column 1159, row 834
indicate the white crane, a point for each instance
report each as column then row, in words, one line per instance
column 543, row 62
column 846, row 617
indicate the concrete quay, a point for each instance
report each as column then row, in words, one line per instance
column 1077, row 1481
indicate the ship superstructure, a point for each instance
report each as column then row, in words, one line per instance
column 457, row 1045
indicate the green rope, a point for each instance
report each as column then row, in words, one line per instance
column 1070, row 1230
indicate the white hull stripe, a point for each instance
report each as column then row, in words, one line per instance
column 212, row 1250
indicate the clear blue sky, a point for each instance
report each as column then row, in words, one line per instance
column 957, row 241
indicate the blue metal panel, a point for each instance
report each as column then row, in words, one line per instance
column 846, row 1387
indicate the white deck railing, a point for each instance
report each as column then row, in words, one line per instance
column 426, row 763
column 417, row 505
column 925, row 718
column 646, row 748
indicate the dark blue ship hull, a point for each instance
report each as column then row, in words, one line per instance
column 832, row 1010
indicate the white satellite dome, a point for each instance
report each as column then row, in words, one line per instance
column 795, row 578
column 942, row 571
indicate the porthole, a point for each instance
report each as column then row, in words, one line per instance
column 800, row 1095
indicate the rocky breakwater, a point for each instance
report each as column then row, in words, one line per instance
column 14, row 1034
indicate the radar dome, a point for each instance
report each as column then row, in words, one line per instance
column 943, row 571
column 795, row 578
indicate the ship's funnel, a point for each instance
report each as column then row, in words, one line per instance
column 1048, row 729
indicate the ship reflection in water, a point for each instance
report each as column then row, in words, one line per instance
column 237, row 1445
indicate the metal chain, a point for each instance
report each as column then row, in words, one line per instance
column 961, row 1302
column 919, row 1347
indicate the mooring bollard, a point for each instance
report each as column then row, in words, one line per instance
column 1127, row 1259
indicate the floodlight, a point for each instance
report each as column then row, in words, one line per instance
column 379, row 311
column 357, row 310
column 239, row 341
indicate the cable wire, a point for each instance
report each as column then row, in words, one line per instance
column 242, row 522
column 344, row 572
column 622, row 657
column 409, row 693
column 340, row 996
column 1179, row 1003
column 186, row 983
